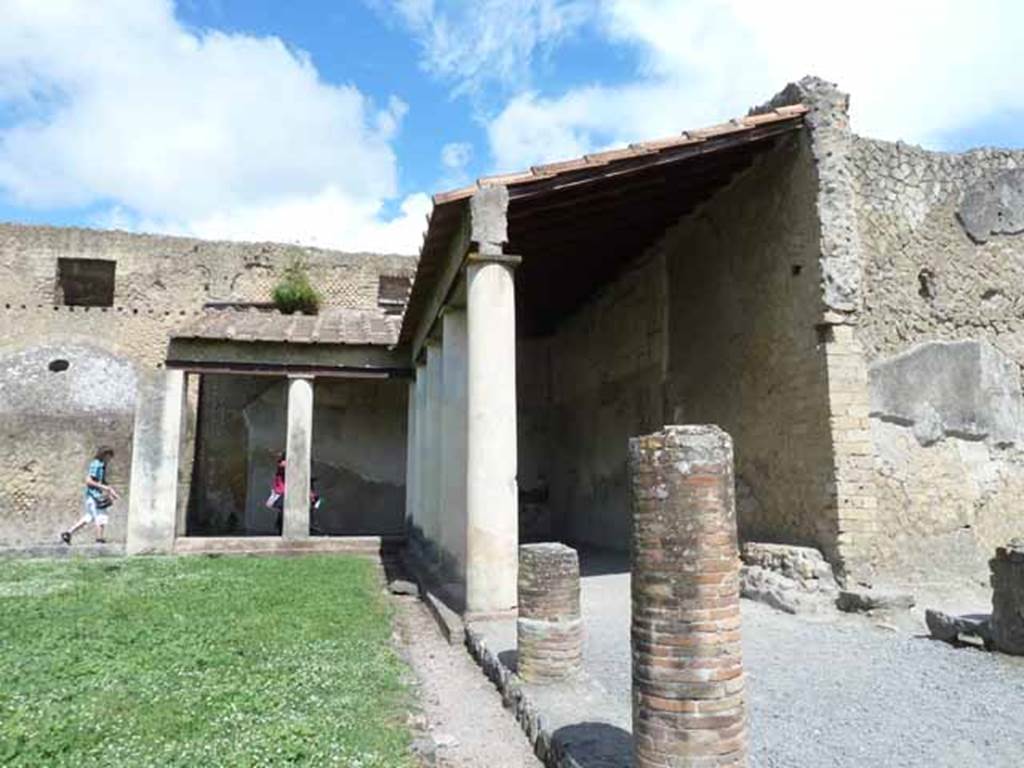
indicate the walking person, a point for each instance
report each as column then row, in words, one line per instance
column 99, row 496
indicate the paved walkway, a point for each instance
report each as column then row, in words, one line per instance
column 835, row 690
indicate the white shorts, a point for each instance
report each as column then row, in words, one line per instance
column 94, row 513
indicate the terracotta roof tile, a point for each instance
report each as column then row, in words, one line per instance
column 353, row 327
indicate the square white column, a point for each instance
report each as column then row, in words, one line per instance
column 299, row 449
column 156, row 449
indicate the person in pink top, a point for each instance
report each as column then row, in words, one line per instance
column 275, row 500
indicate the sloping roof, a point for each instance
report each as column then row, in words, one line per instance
column 567, row 184
column 347, row 326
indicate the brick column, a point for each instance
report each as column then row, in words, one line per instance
column 549, row 629
column 1008, row 598
column 688, row 698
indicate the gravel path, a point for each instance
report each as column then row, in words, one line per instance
column 461, row 711
column 840, row 691
column 831, row 691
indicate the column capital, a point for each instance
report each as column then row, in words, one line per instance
column 476, row 257
column 307, row 376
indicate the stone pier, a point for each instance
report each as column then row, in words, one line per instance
column 688, row 691
column 1008, row 598
column 549, row 629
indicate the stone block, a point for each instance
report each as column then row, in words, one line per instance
column 689, row 706
column 1008, row 598
column 966, row 389
column 853, row 601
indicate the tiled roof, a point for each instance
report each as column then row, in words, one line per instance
column 338, row 326
column 598, row 159
column 607, row 169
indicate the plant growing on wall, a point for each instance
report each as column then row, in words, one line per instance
column 295, row 293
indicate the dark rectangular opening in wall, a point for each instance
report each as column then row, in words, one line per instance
column 85, row 282
column 393, row 293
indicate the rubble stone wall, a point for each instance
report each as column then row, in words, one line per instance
column 943, row 262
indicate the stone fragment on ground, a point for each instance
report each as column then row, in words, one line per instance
column 789, row 578
column 869, row 601
column 403, row 587
column 953, row 629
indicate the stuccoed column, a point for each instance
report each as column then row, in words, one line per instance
column 299, row 449
column 688, row 694
column 433, row 458
column 410, row 455
column 453, row 443
column 492, row 535
column 418, row 508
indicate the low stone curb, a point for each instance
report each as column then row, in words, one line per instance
column 516, row 699
column 50, row 551
column 447, row 620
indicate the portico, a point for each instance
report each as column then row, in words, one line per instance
column 348, row 359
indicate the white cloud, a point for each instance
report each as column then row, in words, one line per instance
column 916, row 70
column 114, row 102
column 455, row 159
column 487, row 42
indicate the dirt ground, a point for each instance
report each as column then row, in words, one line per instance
column 461, row 722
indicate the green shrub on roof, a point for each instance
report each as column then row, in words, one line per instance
column 295, row 293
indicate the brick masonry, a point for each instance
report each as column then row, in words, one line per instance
column 688, row 688
column 1008, row 598
column 549, row 628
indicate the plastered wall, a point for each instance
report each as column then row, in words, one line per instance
column 718, row 323
column 583, row 393
column 358, row 454
column 746, row 352
column 954, row 498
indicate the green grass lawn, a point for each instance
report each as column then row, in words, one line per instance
column 198, row 662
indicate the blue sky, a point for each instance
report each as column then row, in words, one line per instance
column 329, row 122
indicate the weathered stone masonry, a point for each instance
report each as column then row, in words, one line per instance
column 549, row 627
column 1008, row 598
column 52, row 417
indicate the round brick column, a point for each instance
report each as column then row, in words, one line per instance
column 688, row 697
column 1008, row 598
column 549, row 630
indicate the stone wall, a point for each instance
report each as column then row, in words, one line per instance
column 51, row 420
column 358, row 454
column 942, row 264
column 53, row 417
column 583, row 393
column 177, row 273
column 745, row 349
column 717, row 323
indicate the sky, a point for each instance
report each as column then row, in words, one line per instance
column 331, row 122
